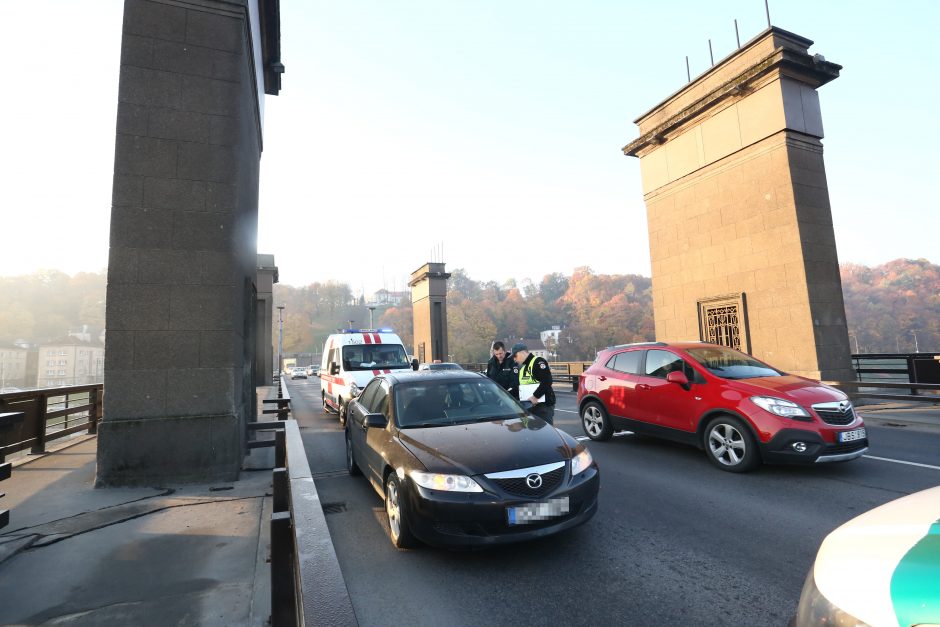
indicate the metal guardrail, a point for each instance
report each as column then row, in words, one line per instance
column 307, row 585
column 31, row 418
column 862, row 389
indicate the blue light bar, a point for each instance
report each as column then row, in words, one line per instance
column 386, row 330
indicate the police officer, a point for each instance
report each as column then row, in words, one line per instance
column 500, row 368
column 534, row 370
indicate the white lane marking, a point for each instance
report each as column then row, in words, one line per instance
column 567, row 411
column 901, row 461
column 582, row 438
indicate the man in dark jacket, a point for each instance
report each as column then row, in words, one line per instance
column 534, row 371
column 500, row 368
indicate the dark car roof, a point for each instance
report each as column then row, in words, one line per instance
column 411, row 376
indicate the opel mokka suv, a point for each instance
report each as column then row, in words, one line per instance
column 739, row 410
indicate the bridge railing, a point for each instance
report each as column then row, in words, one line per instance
column 884, row 390
column 32, row 418
column 307, row 585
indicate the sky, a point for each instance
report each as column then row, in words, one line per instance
column 490, row 129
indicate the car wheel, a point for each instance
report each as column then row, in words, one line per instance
column 596, row 422
column 342, row 413
column 398, row 529
column 351, row 464
column 730, row 445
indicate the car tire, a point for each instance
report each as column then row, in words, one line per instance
column 398, row 531
column 596, row 422
column 342, row 413
column 730, row 445
column 351, row 466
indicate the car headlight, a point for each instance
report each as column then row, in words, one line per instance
column 354, row 390
column 581, row 462
column 444, row 483
column 780, row 407
column 816, row 609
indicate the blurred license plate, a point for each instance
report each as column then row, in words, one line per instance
column 534, row 512
column 851, row 436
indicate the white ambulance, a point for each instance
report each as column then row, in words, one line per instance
column 352, row 358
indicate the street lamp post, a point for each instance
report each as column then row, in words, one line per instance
column 371, row 309
column 916, row 347
column 280, row 339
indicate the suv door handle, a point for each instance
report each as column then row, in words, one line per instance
column 602, row 378
column 642, row 386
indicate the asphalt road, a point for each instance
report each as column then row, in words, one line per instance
column 675, row 540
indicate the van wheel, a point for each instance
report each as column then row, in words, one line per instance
column 596, row 422
column 730, row 445
column 342, row 413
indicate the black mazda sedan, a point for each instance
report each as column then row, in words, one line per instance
column 460, row 463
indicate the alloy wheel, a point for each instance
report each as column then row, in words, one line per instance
column 392, row 509
column 593, row 421
column 726, row 444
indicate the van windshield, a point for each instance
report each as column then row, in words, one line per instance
column 374, row 356
column 728, row 363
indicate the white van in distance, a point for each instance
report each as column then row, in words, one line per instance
column 352, row 358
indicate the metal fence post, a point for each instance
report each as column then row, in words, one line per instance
column 283, row 594
column 40, row 445
column 94, row 414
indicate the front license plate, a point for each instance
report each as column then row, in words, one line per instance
column 851, row 436
column 535, row 512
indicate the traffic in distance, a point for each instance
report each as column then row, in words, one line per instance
column 458, row 461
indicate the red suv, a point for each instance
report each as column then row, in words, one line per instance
column 738, row 409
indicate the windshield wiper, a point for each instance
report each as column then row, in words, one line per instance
column 427, row 424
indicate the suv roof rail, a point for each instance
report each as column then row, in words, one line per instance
column 636, row 344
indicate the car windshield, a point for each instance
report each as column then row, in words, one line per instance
column 374, row 356
column 439, row 403
column 728, row 363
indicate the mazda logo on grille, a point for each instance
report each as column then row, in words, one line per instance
column 534, row 481
column 844, row 406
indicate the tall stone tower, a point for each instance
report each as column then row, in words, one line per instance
column 183, row 262
column 429, row 302
column 741, row 238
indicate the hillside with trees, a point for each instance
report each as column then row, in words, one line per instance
column 886, row 306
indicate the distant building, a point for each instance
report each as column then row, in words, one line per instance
column 385, row 297
column 13, row 359
column 69, row 361
column 553, row 334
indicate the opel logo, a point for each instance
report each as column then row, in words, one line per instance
column 534, row 481
column 844, row 406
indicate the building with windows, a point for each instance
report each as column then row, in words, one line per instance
column 69, row 361
column 386, row 297
column 13, row 360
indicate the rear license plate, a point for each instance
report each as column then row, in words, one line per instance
column 851, row 436
column 535, row 512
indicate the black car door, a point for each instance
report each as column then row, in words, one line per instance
column 377, row 440
column 355, row 414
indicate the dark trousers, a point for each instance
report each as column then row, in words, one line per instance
column 545, row 412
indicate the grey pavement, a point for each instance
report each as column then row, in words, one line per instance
column 675, row 540
column 185, row 555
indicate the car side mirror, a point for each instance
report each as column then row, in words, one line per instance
column 678, row 378
column 334, row 369
column 375, row 421
column 414, row 364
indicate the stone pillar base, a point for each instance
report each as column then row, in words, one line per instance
column 163, row 451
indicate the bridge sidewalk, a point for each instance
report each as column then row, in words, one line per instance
column 73, row 554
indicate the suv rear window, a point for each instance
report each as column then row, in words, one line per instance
column 627, row 361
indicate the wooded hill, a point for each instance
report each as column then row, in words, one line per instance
column 886, row 306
